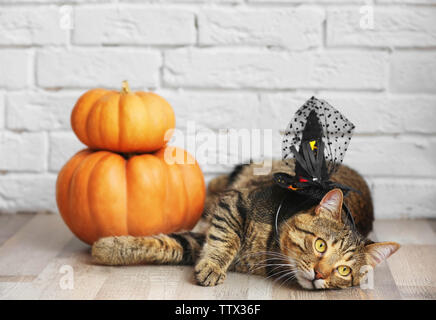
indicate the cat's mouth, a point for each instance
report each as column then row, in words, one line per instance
column 307, row 280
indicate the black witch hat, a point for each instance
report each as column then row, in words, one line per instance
column 317, row 138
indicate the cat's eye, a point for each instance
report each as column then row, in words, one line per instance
column 344, row 270
column 320, row 245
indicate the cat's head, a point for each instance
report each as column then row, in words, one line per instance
column 324, row 252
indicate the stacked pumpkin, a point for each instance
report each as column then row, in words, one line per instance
column 128, row 182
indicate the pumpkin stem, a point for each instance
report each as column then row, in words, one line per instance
column 125, row 87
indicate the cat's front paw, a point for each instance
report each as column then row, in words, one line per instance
column 209, row 274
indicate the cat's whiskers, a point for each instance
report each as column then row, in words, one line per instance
column 274, row 255
column 266, row 263
column 263, row 263
column 291, row 267
column 287, row 272
column 290, row 274
column 276, row 265
column 290, row 278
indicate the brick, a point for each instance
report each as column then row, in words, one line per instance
column 396, row 198
column 213, row 110
column 299, row 28
column 392, row 114
column 22, row 151
column 308, row 1
column 27, row 192
column 54, row 1
column 39, row 111
column 388, row 156
column 2, row 111
column 393, row 27
column 190, row 1
column 63, row 145
column 370, row 113
column 134, row 25
column 186, row 1
column 408, row 1
column 31, row 26
column 393, row 156
column 413, row 72
column 15, row 68
column 274, row 70
column 92, row 68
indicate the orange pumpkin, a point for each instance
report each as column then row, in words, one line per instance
column 100, row 193
column 123, row 121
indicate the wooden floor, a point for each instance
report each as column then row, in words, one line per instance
column 37, row 250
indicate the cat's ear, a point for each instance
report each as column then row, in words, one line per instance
column 331, row 205
column 380, row 251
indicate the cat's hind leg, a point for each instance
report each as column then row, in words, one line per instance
column 177, row 248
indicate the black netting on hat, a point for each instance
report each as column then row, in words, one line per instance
column 316, row 140
column 318, row 120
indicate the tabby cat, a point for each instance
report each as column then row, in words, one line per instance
column 317, row 246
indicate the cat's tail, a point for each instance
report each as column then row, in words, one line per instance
column 176, row 248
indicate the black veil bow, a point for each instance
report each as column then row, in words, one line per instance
column 317, row 138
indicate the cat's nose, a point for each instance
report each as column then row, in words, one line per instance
column 318, row 274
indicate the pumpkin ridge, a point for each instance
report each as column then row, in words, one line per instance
column 88, row 190
column 108, row 199
column 127, row 196
column 70, row 189
column 99, row 126
column 166, row 221
column 147, row 108
column 82, row 131
column 66, row 216
column 172, row 172
column 120, row 126
column 185, row 192
column 99, row 103
column 71, row 202
column 188, row 204
column 88, row 120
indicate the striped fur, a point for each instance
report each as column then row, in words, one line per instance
column 242, row 235
column 179, row 248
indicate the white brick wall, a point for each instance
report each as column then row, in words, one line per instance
column 26, row 26
column 82, row 68
column 228, row 68
column 393, row 27
column 224, row 64
column 294, row 28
